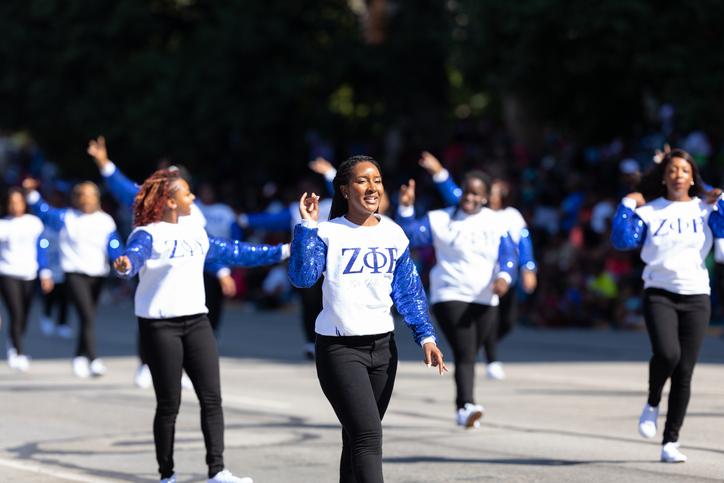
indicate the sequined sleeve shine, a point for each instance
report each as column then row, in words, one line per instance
column 409, row 297
column 308, row 257
column 241, row 254
column 628, row 230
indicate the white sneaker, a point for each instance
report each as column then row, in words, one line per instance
column 12, row 358
column 225, row 476
column 170, row 479
column 64, row 331
column 670, row 454
column 185, row 381
column 81, row 367
column 22, row 363
column 47, row 327
column 469, row 415
column 143, row 377
column 494, row 370
column 97, row 368
column 647, row 421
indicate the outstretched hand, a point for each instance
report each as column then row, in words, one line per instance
column 309, row 207
column 30, row 184
column 122, row 264
column 430, row 163
column 433, row 357
column 97, row 149
column 321, row 166
column 660, row 155
column 407, row 193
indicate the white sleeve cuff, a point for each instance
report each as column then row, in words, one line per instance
column 32, row 197
column 108, row 169
column 309, row 224
column 223, row 272
column 441, row 176
column 45, row 273
column 243, row 220
column 426, row 340
column 406, row 211
column 329, row 175
column 286, row 251
column 629, row 203
column 505, row 276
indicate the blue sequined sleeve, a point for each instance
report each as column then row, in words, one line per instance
column 277, row 221
column 308, row 258
column 628, row 230
column 450, row 192
column 507, row 256
column 138, row 250
column 418, row 231
column 716, row 220
column 525, row 251
column 42, row 245
column 409, row 297
column 241, row 254
column 123, row 189
column 51, row 217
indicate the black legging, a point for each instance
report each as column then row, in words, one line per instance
column 58, row 297
column 466, row 327
column 676, row 325
column 357, row 374
column 17, row 295
column 505, row 321
column 83, row 292
column 214, row 299
column 311, row 307
column 184, row 343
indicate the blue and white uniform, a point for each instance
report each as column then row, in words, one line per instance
column 23, row 249
column 366, row 269
column 165, row 253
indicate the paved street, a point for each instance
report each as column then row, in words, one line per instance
column 567, row 412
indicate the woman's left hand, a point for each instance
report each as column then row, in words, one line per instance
column 46, row 284
column 500, row 287
column 433, row 357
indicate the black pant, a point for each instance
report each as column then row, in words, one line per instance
column 214, row 299
column 83, row 292
column 505, row 321
column 676, row 325
column 357, row 374
column 184, row 343
column 719, row 287
column 56, row 297
column 466, row 327
column 311, row 307
column 17, row 295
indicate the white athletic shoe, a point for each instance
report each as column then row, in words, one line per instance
column 494, row 371
column 647, row 421
column 170, row 479
column 97, row 368
column 22, row 363
column 143, row 377
column 12, row 358
column 185, row 381
column 64, row 331
column 225, row 476
column 469, row 415
column 47, row 327
column 670, row 454
column 81, row 367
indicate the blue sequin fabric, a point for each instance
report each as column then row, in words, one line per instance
column 409, row 297
column 242, row 254
column 308, row 257
column 628, row 230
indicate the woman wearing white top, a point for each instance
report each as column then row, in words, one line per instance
column 22, row 259
column 674, row 229
column 172, row 316
column 87, row 241
column 367, row 267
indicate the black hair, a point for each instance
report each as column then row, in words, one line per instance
column 651, row 186
column 344, row 172
column 6, row 199
column 474, row 175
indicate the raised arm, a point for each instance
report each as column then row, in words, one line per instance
column 628, row 230
column 450, row 192
column 325, row 168
column 123, row 189
column 138, row 250
column 51, row 217
column 417, row 230
column 242, row 254
column 410, row 299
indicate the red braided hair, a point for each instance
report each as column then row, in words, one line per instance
column 152, row 196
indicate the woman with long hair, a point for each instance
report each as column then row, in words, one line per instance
column 674, row 227
column 475, row 266
column 367, row 268
column 22, row 260
column 172, row 316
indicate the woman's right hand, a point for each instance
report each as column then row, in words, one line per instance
column 638, row 198
column 30, row 184
column 407, row 193
column 122, row 264
column 97, row 149
column 430, row 163
column 309, row 207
